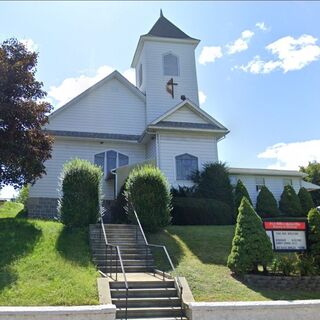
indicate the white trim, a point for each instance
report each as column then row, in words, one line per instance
column 188, row 129
column 115, row 74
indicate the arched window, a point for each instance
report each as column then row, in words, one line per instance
column 170, row 65
column 186, row 164
column 109, row 160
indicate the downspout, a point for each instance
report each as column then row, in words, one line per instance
column 115, row 183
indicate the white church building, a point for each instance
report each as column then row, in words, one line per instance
column 117, row 125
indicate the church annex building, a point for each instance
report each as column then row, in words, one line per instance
column 117, row 125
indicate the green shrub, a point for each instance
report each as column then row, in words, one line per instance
column 314, row 235
column 147, row 189
column 266, row 205
column 240, row 192
column 251, row 246
column 200, row 211
column 306, row 264
column 289, row 203
column 213, row 183
column 306, row 201
column 23, row 195
column 183, row 192
column 284, row 264
column 79, row 204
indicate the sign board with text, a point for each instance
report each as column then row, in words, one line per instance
column 287, row 235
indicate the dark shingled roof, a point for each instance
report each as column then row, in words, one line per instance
column 166, row 29
column 97, row 135
column 176, row 124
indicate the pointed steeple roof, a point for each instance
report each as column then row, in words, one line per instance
column 165, row 29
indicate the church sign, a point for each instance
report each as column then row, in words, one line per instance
column 289, row 236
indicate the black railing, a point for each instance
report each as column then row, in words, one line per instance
column 148, row 245
column 118, row 255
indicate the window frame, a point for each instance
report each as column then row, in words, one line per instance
column 163, row 65
column 177, row 158
column 140, row 75
column 105, row 162
column 260, row 185
column 287, row 184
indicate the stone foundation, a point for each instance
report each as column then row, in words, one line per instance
column 282, row 282
column 43, row 208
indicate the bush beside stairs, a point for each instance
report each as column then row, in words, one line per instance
column 146, row 299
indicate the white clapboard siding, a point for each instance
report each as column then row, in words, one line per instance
column 64, row 150
column 184, row 114
column 111, row 108
column 203, row 146
column 151, row 149
column 157, row 98
column 274, row 183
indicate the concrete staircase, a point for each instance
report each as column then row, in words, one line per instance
column 156, row 299
column 136, row 257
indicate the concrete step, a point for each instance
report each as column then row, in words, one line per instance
column 144, row 293
column 147, row 302
column 152, row 318
column 142, row 284
column 128, row 269
column 125, row 262
column 149, row 312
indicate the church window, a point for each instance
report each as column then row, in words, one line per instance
column 140, row 75
column 170, row 65
column 186, row 164
column 110, row 160
column 260, row 182
column 287, row 182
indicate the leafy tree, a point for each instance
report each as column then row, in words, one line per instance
column 80, row 203
column 305, row 200
column 147, row 191
column 251, row 246
column 23, row 194
column 313, row 172
column 314, row 235
column 213, row 183
column 240, row 192
column 24, row 146
column 289, row 203
column 266, row 203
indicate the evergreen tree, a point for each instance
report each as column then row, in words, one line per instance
column 313, row 172
column 314, row 235
column 251, row 246
column 306, row 201
column 266, row 203
column 289, row 203
column 240, row 192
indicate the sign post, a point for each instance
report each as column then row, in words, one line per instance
column 287, row 236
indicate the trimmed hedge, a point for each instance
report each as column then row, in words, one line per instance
column 147, row 189
column 251, row 246
column 80, row 202
column 314, row 236
column 200, row 211
column 306, row 201
column 266, row 206
column 289, row 203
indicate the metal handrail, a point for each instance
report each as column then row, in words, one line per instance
column 167, row 255
column 120, row 259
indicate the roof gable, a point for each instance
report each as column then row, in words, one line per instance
column 186, row 112
column 114, row 75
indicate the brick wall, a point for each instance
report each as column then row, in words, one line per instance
column 43, row 208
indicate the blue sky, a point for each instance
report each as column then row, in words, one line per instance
column 259, row 74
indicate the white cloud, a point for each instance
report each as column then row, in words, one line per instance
column 30, row 44
column 262, row 26
column 71, row 87
column 210, row 54
column 291, row 54
column 202, row 97
column 240, row 44
column 292, row 155
column 130, row 74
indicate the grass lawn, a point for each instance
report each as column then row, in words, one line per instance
column 41, row 263
column 200, row 254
